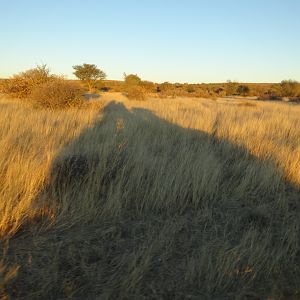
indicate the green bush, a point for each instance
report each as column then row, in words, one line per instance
column 58, row 93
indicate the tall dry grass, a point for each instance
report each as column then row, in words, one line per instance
column 269, row 130
column 30, row 140
column 161, row 199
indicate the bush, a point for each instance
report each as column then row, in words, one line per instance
column 290, row 88
column 132, row 79
column 243, row 90
column 136, row 93
column 22, row 84
column 148, row 86
column 231, row 88
column 202, row 93
column 58, row 93
column 190, row 90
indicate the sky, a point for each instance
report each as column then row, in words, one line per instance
column 160, row 40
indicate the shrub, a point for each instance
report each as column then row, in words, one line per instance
column 243, row 90
column 202, row 93
column 167, row 89
column 190, row 90
column 104, row 89
column 22, row 84
column 290, row 88
column 148, row 86
column 132, row 79
column 136, row 93
column 220, row 92
column 231, row 88
column 57, row 94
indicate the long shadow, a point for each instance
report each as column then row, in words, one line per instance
column 146, row 209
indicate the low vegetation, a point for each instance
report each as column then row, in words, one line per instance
column 136, row 93
column 160, row 199
column 22, row 84
column 58, row 93
column 93, row 80
column 134, row 87
column 290, row 88
column 287, row 88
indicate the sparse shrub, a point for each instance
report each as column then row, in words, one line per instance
column 290, row 88
column 58, row 93
column 149, row 86
column 202, row 93
column 231, row 88
column 105, row 89
column 136, row 93
column 220, row 92
column 22, row 84
column 243, row 90
column 167, row 89
column 2, row 85
column 190, row 90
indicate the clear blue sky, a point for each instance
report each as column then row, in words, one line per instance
column 160, row 40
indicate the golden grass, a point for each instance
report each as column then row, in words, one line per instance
column 268, row 130
column 157, row 199
column 30, row 140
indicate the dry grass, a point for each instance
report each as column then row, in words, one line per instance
column 161, row 199
column 30, row 140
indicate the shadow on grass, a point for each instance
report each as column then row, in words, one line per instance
column 146, row 209
column 91, row 96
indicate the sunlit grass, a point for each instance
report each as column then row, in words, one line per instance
column 268, row 130
column 29, row 141
column 164, row 197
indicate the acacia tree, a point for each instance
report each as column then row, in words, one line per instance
column 89, row 74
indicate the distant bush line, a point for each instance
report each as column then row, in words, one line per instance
column 263, row 91
column 51, row 90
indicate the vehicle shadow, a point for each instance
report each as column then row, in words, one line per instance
column 147, row 209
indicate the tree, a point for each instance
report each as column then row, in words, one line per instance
column 132, row 79
column 89, row 74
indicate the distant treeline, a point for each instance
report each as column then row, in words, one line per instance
column 264, row 91
column 92, row 78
